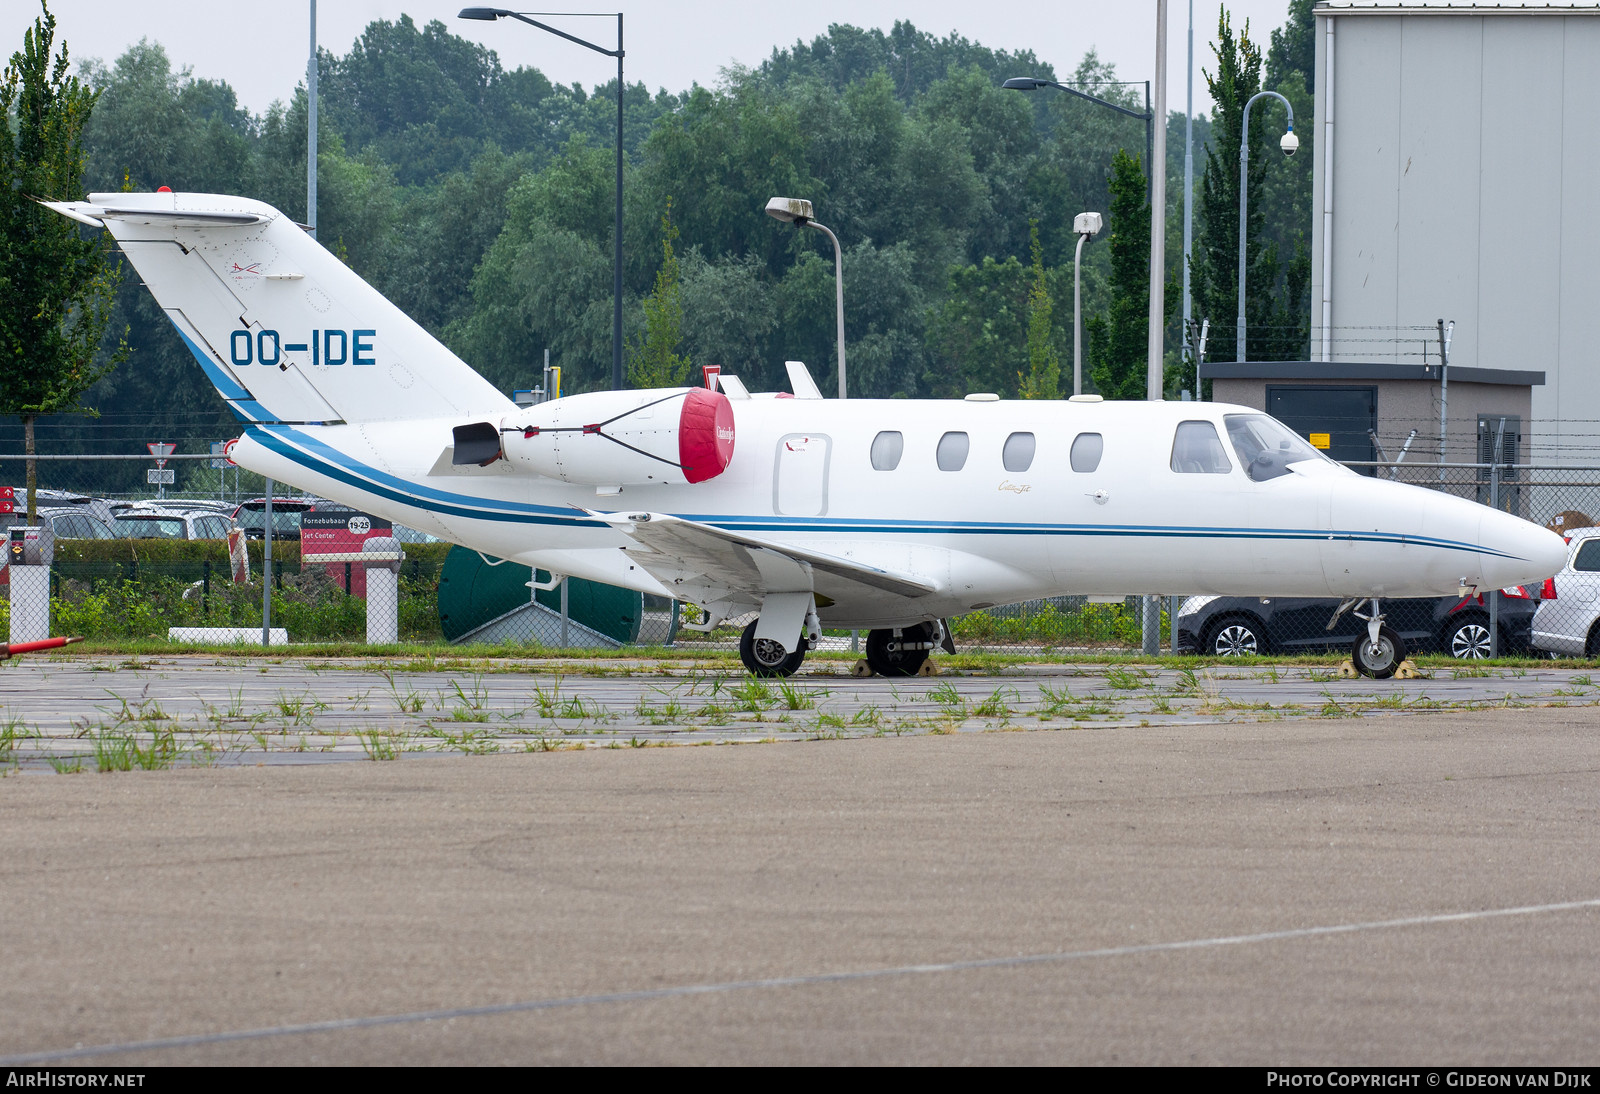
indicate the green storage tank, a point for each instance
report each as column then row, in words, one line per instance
column 473, row 592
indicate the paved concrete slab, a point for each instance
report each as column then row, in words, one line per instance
column 1305, row 889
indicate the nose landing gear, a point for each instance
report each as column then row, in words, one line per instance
column 1379, row 652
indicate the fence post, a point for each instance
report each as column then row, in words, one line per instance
column 1494, row 503
column 266, row 570
column 564, row 639
column 383, row 590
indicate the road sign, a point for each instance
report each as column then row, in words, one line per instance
column 154, row 477
column 227, row 450
column 160, row 450
column 219, row 454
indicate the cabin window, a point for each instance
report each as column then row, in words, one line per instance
column 886, row 449
column 952, row 452
column 1086, row 449
column 1196, row 450
column 1017, row 455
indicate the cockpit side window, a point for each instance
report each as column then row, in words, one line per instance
column 1196, row 450
column 1265, row 446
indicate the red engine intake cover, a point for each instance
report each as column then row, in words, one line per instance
column 705, row 434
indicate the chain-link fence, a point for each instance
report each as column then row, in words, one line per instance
column 485, row 602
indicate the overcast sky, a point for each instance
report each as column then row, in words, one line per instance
column 260, row 48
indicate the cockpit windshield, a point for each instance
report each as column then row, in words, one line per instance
column 1266, row 447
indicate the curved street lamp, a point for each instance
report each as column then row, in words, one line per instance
column 1289, row 143
column 490, row 15
column 798, row 211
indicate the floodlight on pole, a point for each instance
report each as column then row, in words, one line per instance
column 489, row 15
column 1289, row 144
column 1085, row 225
column 799, row 212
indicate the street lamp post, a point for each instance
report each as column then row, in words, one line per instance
column 798, row 211
column 490, row 15
column 1085, row 225
column 1289, row 143
column 1029, row 83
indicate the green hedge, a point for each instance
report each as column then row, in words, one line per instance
column 139, row 588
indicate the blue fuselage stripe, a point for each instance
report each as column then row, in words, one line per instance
column 320, row 457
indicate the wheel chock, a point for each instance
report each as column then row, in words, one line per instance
column 1406, row 670
column 1347, row 670
column 861, row 669
column 928, row 668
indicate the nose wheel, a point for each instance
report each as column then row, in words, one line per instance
column 1377, row 653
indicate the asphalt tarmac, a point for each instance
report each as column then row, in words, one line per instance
column 1220, row 882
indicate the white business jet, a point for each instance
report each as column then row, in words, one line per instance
column 885, row 515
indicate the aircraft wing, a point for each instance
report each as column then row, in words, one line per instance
column 742, row 567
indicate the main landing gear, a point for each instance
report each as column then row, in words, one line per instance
column 1379, row 652
column 766, row 656
column 896, row 651
column 901, row 651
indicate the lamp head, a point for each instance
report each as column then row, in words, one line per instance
column 1023, row 83
column 1289, row 143
column 796, row 211
column 486, row 14
column 1087, row 224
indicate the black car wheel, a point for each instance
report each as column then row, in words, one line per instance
column 1236, row 637
column 1469, row 639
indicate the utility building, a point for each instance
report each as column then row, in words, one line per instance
column 1457, row 146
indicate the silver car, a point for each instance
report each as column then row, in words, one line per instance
column 1565, row 621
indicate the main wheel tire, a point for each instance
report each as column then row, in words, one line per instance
column 1380, row 662
column 897, row 662
column 766, row 657
column 1469, row 639
column 1235, row 636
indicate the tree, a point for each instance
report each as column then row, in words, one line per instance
column 56, row 286
column 653, row 359
column 1274, row 293
column 1118, row 351
column 1043, row 380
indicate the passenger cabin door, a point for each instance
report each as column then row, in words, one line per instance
column 800, row 475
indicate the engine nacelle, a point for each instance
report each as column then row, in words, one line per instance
column 618, row 438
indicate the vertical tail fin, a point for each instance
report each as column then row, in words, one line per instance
column 283, row 329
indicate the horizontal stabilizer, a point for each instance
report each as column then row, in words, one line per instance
column 88, row 212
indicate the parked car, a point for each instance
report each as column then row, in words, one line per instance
column 64, row 499
column 1566, row 620
column 65, row 523
column 1233, row 626
column 149, row 522
column 286, row 514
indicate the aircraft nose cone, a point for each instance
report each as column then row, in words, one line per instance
column 1523, row 552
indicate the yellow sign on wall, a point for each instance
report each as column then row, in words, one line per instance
column 1321, row 440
